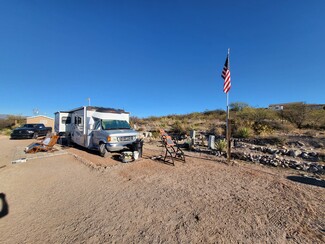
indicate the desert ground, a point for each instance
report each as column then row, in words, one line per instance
column 74, row 196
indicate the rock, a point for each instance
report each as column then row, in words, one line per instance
column 294, row 164
column 274, row 163
column 304, row 155
column 272, row 150
column 313, row 169
column 294, row 153
column 305, row 167
column 319, row 145
column 239, row 155
column 300, row 143
column 313, row 154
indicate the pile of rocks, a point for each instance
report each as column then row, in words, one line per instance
column 277, row 161
column 302, row 153
column 300, row 159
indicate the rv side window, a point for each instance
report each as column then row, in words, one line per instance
column 66, row 120
column 77, row 120
column 97, row 124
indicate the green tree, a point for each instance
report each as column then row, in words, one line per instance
column 316, row 119
column 238, row 106
column 296, row 113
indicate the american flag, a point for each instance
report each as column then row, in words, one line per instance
column 226, row 76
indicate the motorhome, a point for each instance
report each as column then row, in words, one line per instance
column 96, row 128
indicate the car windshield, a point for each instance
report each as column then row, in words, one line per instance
column 115, row 124
column 28, row 126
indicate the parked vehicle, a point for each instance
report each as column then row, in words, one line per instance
column 96, row 128
column 30, row 131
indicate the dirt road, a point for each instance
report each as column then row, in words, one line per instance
column 62, row 199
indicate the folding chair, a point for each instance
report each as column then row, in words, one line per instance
column 172, row 149
column 44, row 146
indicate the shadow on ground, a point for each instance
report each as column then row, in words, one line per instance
column 5, row 207
column 307, row 180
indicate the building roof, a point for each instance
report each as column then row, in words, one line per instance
column 36, row 116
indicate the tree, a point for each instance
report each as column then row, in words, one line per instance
column 296, row 113
column 316, row 119
column 238, row 106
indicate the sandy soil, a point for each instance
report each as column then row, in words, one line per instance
column 80, row 197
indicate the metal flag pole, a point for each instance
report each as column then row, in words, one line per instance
column 228, row 131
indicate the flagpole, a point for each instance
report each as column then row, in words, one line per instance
column 228, row 131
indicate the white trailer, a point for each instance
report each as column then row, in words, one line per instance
column 97, row 128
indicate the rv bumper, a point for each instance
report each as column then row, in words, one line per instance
column 114, row 147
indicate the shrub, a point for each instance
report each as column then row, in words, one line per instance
column 296, row 114
column 155, row 134
column 221, row 145
column 216, row 130
column 244, row 132
column 262, row 129
column 283, row 126
column 5, row 132
column 180, row 128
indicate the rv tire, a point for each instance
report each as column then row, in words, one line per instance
column 102, row 151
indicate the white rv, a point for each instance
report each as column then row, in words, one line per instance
column 102, row 129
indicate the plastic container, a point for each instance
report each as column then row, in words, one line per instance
column 135, row 155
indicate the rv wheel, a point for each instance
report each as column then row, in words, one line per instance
column 35, row 136
column 102, row 151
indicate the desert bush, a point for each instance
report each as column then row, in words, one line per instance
column 216, row 130
column 244, row 132
column 5, row 124
column 238, row 106
column 5, row 131
column 262, row 129
column 214, row 114
column 179, row 128
column 284, row 126
column 153, row 119
column 296, row 114
column 12, row 121
column 221, row 145
column 316, row 119
column 155, row 134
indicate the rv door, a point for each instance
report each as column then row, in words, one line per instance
column 77, row 133
column 65, row 123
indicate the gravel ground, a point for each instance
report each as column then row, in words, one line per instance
column 79, row 197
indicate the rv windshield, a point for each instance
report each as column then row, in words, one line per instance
column 115, row 124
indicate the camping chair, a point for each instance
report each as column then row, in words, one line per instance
column 44, row 146
column 172, row 149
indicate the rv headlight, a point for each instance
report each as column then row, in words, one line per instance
column 111, row 139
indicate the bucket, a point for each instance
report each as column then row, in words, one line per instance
column 135, row 155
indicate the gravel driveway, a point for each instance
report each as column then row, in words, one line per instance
column 78, row 197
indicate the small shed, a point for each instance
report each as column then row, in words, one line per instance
column 47, row 121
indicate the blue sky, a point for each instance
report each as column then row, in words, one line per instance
column 159, row 57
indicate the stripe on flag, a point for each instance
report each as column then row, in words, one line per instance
column 226, row 76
